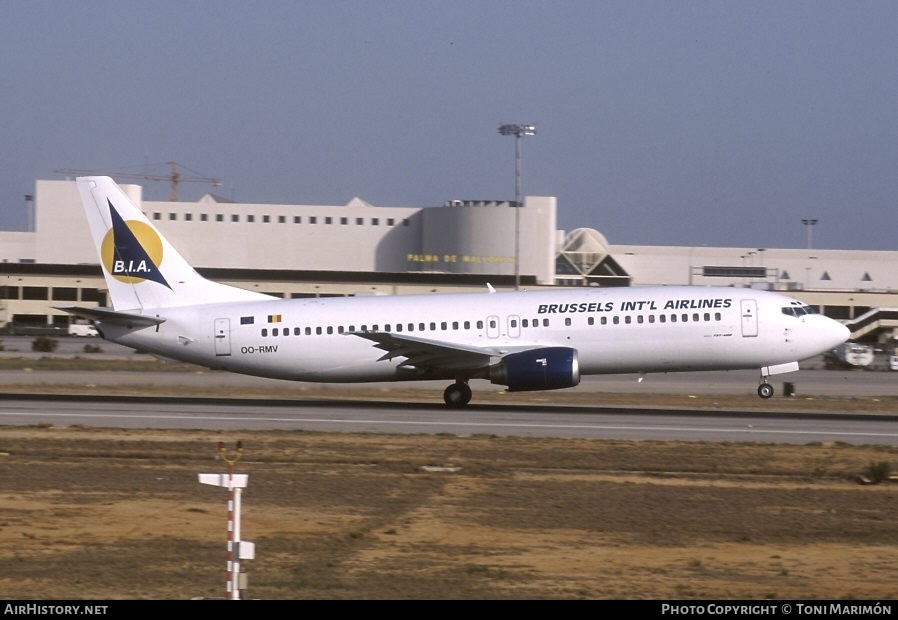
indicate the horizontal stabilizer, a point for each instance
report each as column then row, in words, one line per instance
column 111, row 317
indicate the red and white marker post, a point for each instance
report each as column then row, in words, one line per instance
column 237, row 549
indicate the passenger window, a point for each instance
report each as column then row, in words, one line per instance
column 590, row 321
column 567, row 321
column 264, row 332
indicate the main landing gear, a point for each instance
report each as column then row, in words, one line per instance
column 457, row 395
column 765, row 390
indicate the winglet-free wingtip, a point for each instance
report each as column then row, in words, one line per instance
column 489, row 287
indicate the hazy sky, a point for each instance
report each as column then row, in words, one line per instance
column 659, row 122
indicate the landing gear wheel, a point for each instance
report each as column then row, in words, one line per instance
column 457, row 395
column 765, row 390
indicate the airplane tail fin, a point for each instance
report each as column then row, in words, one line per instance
column 142, row 269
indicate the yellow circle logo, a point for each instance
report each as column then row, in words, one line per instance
column 135, row 258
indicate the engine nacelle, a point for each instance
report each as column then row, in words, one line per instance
column 551, row 368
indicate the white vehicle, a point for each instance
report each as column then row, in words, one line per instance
column 82, row 329
column 524, row 340
column 850, row 355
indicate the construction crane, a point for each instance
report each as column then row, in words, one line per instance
column 174, row 177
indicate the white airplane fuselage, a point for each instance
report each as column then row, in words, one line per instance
column 524, row 340
column 613, row 330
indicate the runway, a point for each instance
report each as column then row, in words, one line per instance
column 218, row 400
column 348, row 414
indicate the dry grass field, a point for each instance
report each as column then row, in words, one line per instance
column 104, row 514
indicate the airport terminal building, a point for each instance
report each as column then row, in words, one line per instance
column 464, row 245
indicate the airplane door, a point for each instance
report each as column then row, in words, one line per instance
column 222, row 336
column 514, row 326
column 749, row 318
column 492, row 327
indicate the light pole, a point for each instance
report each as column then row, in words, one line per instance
column 518, row 131
column 809, row 223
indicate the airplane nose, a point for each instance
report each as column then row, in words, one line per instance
column 840, row 333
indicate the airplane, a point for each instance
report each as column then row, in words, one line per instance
column 523, row 340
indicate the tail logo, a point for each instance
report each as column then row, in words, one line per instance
column 132, row 251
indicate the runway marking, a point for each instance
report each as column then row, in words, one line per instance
column 429, row 423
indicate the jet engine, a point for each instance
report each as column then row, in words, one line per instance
column 550, row 368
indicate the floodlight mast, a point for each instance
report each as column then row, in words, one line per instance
column 518, row 131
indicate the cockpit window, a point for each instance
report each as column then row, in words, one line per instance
column 799, row 310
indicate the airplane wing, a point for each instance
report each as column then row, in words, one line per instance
column 111, row 317
column 428, row 355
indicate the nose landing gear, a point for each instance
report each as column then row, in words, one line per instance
column 765, row 390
